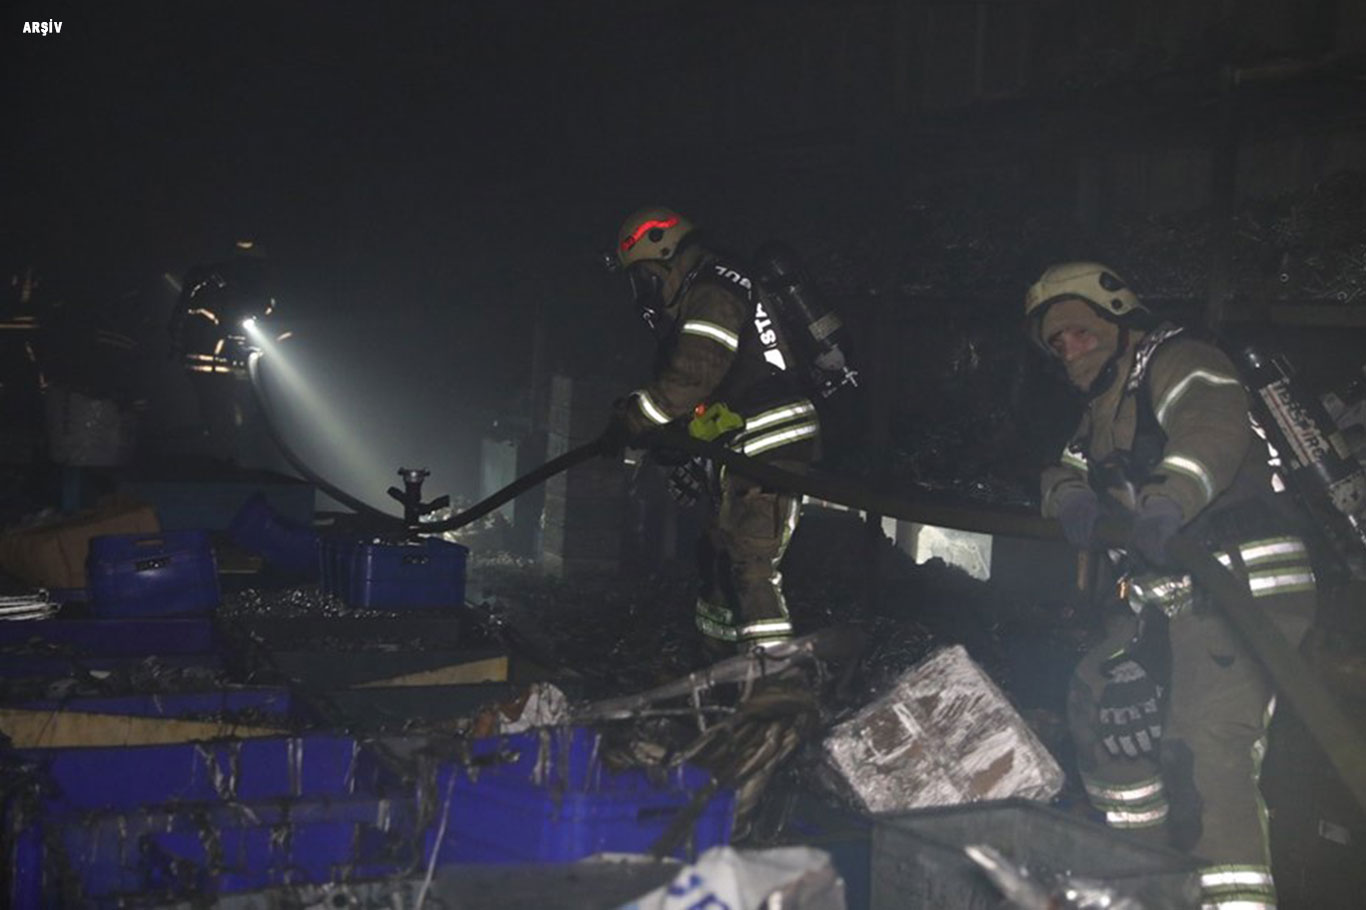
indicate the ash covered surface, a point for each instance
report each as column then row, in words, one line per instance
column 286, row 603
column 621, row 633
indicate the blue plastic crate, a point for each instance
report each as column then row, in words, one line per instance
column 130, row 637
column 89, row 800
column 428, row 574
column 37, row 666
column 547, row 797
column 283, row 544
column 334, row 563
column 204, row 495
column 60, row 647
column 198, row 850
column 172, row 572
column 120, row 778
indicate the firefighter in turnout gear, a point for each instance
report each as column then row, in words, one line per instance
column 1169, row 712
column 725, row 369
column 209, row 334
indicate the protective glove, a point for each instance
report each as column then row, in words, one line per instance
column 1078, row 509
column 1158, row 520
column 1129, row 709
column 667, row 457
column 687, row 482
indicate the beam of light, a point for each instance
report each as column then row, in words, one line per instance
column 342, row 441
column 249, row 323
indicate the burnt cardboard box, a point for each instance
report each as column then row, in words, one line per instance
column 944, row 734
column 53, row 555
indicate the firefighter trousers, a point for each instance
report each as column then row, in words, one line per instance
column 741, row 598
column 1200, row 793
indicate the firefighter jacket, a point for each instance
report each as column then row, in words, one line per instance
column 721, row 345
column 206, row 325
column 1175, row 423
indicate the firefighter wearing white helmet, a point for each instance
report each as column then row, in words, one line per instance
column 1169, row 712
column 722, row 368
column 1092, row 297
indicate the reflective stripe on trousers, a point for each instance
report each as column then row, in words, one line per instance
column 1142, row 804
column 754, row 528
column 1237, row 887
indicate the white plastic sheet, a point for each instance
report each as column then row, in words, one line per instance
column 723, row 878
column 545, row 706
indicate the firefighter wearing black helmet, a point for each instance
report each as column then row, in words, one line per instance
column 1169, row 712
column 209, row 331
column 724, row 367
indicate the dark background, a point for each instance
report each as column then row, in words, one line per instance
column 432, row 181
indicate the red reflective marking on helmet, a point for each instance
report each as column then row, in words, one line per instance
column 639, row 232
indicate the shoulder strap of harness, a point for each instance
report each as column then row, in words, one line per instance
column 1143, row 357
column 687, row 283
column 1150, row 440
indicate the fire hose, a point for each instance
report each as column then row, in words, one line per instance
column 468, row 516
column 1341, row 739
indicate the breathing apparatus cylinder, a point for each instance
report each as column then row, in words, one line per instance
column 1316, row 457
column 817, row 333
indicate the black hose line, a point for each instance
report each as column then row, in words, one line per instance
column 472, row 514
column 1339, row 737
column 516, row 488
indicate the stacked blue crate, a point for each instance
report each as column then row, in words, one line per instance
column 98, row 826
column 411, row 575
column 51, row 648
column 334, row 561
column 426, row 574
column 199, row 819
column 168, row 573
column 547, row 796
column 127, row 637
column 284, row 545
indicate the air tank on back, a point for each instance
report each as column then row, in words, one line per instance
column 814, row 329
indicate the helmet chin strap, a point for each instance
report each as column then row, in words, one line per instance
column 1106, row 376
column 657, row 312
column 683, row 285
